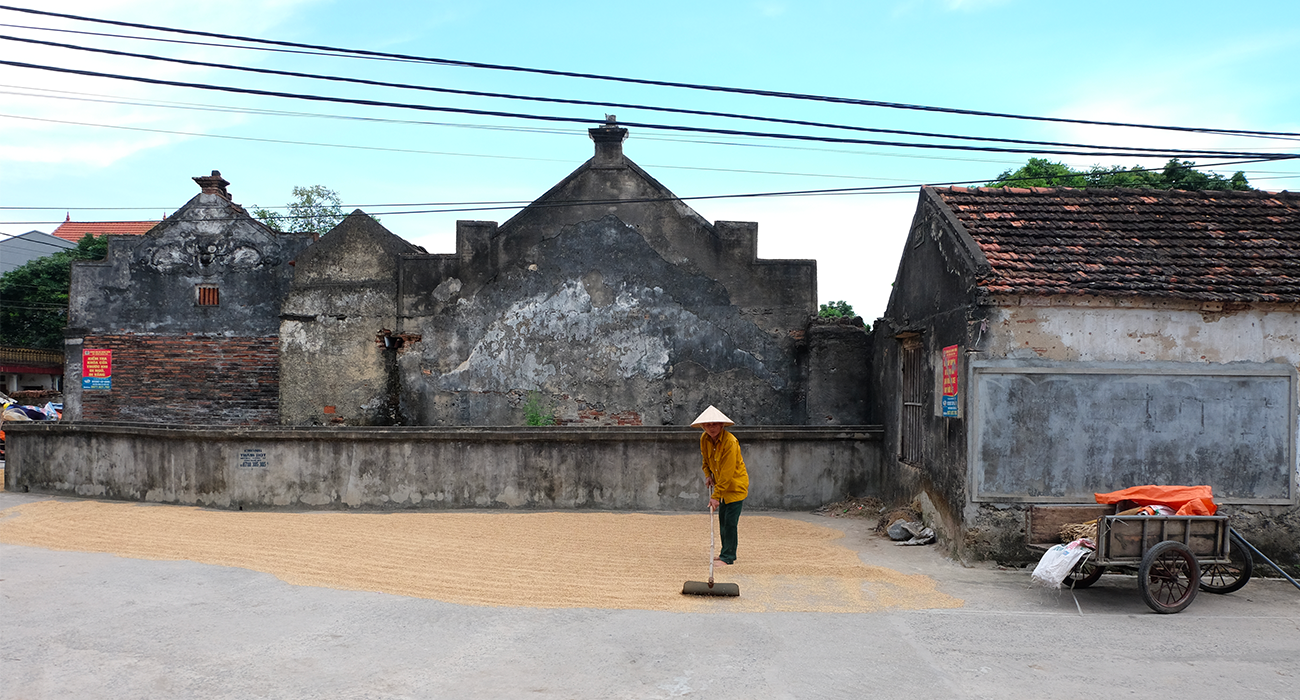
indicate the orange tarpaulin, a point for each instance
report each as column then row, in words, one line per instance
column 1187, row 500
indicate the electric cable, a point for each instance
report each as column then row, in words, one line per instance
column 460, row 207
column 742, row 142
column 417, row 151
column 641, row 81
column 1121, row 153
column 565, row 101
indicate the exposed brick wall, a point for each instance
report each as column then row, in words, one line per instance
column 192, row 379
column 589, row 416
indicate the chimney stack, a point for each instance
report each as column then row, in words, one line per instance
column 213, row 184
column 609, row 142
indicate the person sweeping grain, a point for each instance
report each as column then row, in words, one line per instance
column 724, row 472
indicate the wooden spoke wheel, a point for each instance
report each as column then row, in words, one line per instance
column 1084, row 575
column 1168, row 577
column 1226, row 578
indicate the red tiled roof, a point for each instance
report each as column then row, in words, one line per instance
column 76, row 230
column 1203, row 246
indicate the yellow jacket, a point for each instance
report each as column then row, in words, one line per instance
column 722, row 462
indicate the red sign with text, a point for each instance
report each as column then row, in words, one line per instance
column 96, row 369
column 950, row 381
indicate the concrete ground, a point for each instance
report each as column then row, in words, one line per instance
column 85, row 625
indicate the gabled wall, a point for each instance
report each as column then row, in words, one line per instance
column 935, row 303
column 174, row 360
column 338, row 353
column 614, row 303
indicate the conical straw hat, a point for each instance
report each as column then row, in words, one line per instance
column 712, row 415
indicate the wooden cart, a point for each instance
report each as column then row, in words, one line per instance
column 1174, row 555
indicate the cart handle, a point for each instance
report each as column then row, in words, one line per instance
column 1261, row 556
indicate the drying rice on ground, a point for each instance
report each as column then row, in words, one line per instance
column 537, row 559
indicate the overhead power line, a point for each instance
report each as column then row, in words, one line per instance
column 405, row 150
column 1121, row 152
column 458, row 207
column 567, row 101
column 643, row 81
column 743, row 142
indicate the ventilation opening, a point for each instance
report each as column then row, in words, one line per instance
column 209, row 295
column 912, row 415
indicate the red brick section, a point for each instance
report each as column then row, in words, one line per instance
column 189, row 379
column 593, row 417
column 1199, row 246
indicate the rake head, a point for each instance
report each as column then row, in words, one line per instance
column 702, row 588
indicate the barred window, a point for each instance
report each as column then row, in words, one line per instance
column 912, row 416
column 208, row 295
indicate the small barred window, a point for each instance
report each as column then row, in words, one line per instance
column 209, row 295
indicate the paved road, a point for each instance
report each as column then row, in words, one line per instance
column 80, row 625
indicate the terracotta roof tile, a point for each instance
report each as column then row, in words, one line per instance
column 1206, row 246
column 76, row 230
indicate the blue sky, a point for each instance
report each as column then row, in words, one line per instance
column 63, row 151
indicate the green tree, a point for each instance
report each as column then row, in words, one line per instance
column 1040, row 172
column 315, row 209
column 1176, row 175
column 34, row 297
column 836, row 309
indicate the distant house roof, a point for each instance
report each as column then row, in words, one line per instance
column 1203, row 246
column 76, row 230
column 16, row 251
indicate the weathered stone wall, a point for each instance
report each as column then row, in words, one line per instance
column 421, row 468
column 935, row 303
column 338, row 350
column 838, row 372
column 595, row 320
column 614, row 303
column 176, row 358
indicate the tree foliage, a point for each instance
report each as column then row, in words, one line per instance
column 836, row 309
column 34, row 297
column 315, row 209
column 1176, row 175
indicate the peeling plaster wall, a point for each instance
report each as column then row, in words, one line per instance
column 607, row 301
column 337, row 368
column 600, row 324
column 633, row 310
column 174, row 359
column 1110, row 331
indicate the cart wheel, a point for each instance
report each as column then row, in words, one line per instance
column 1168, row 577
column 1084, row 575
column 1226, row 578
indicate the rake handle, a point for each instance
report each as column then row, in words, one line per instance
column 710, row 545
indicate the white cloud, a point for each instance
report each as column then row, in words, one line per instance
column 1201, row 89
column 1171, row 99
column 28, row 141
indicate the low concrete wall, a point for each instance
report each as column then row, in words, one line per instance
column 641, row 468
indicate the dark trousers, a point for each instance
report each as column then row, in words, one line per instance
column 728, row 516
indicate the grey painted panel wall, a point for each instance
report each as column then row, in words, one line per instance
column 1065, row 431
column 419, row 468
